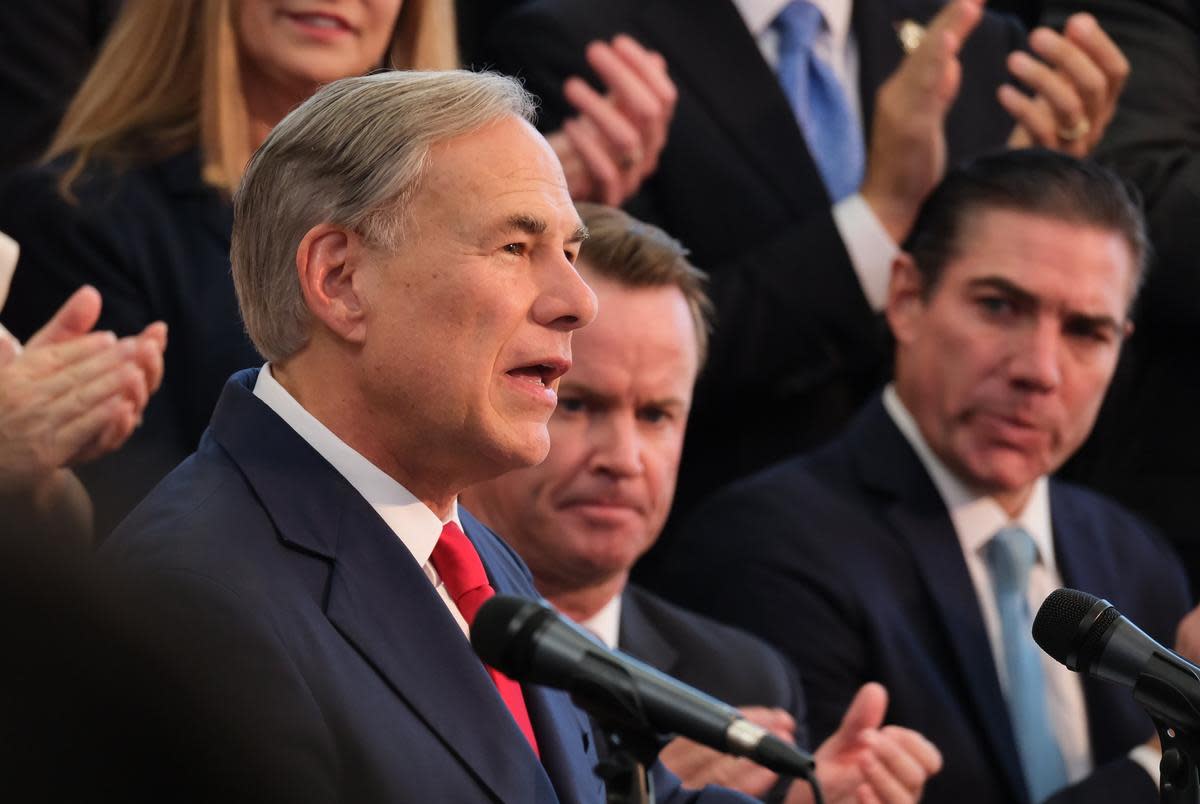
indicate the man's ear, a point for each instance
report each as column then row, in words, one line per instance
column 327, row 267
column 906, row 297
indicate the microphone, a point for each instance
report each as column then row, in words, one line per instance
column 1090, row 636
column 530, row 642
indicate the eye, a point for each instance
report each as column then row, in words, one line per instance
column 996, row 305
column 1089, row 331
column 516, row 249
column 653, row 415
column 570, row 405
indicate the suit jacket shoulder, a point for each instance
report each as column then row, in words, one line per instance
column 329, row 631
column 727, row 663
column 854, row 544
column 334, row 623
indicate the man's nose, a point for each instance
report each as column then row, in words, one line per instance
column 565, row 301
column 617, row 446
column 1037, row 359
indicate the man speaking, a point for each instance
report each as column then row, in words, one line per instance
column 403, row 253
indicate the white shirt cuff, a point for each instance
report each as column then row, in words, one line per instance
column 9, row 251
column 869, row 245
column 1149, row 759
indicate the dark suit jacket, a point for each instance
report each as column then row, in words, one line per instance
column 848, row 562
column 797, row 348
column 727, row 663
column 1142, row 450
column 343, row 652
column 154, row 241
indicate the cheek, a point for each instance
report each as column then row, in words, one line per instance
column 662, row 471
column 379, row 32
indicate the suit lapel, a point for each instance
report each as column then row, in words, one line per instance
column 914, row 509
column 380, row 599
column 1085, row 564
column 713, row 55
column 641, row 639
column 564, row 733
column 1082, row 562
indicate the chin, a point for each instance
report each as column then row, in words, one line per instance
column 1007, row 477
column 521, row 450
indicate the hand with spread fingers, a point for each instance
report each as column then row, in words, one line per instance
column 613, row 144
column 907, row 154
column 70, row 396
column 865, row 762
column 1076, row 81
column 697, row 765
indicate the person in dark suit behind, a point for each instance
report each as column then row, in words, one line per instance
column 403, row 252
column 913, row 549
column 799, row 254
column 584, row 515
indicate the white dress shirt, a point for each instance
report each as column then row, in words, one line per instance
column 606, row 623
column 9, row 252
column 976, row 518
column 409, row 518
column 868, row 243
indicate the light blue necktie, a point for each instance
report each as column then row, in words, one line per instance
column 821, row 107
column 1010, row 556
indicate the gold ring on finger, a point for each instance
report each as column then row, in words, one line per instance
column 1081, row 129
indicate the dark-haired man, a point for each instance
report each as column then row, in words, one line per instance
column 914, row 548
column 806, row 135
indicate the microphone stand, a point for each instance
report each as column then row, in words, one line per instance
column 624, row 766
column 1180, row 774
column 1163, row 681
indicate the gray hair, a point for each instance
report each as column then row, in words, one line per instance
column 353, row 155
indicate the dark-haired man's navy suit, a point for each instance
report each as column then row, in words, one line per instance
column 334, row 640
column 847, row 560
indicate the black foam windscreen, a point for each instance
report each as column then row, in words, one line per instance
column 498, row 624
column 1070, row 627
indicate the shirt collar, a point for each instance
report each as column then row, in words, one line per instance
column 409, row 518
column 976, row 516
column 759, row 14
column 606, row 623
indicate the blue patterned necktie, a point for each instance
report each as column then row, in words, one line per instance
column 821, row 107
column 1010, row 556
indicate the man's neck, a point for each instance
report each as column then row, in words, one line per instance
column 945, row 475
column 583, row 603
column 335, row 405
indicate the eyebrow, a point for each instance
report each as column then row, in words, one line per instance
column 607, row 398
column 531, row 225
column 1018, row 293
column 1027, row 299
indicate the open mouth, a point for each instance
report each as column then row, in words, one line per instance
column 543, row 374
column 327, row 22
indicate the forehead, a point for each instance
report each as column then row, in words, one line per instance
column 501, row 169
column 1080, row 266
column 641, row 336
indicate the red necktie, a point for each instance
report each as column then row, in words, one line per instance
column 462, row 572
